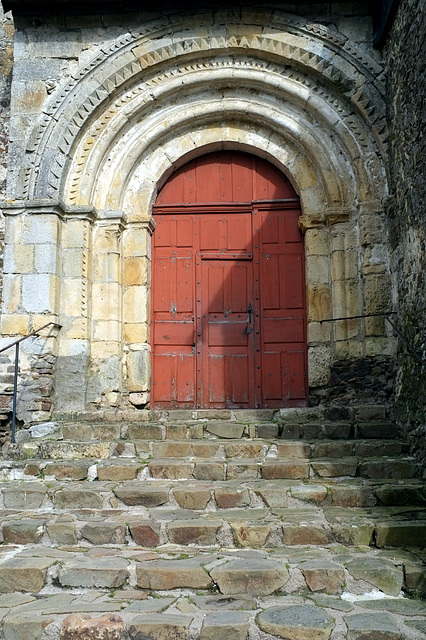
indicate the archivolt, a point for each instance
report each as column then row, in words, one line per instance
column 293, row 92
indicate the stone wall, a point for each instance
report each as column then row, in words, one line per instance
column 405, row 56
column 100, row 124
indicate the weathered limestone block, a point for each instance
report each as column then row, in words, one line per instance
column 25, row 625
column 81, row 626
column 379, row 572
column 160, row 627
column 244, row 450
column 239, row 469
column 23, row 531
column 77, row 499
column 173, row 574
column 298, row 622
column 145, row 533
column 202, row 532
column 400, row 534
column 192, row 498
column 323, row 575
column 372, row 626
column 109, row 573
column 294, row 450
column 232, row 430
column 63, row 531
column 23, row 498
column 252, row 577
column 68, row 470
column 415, row 577
column 309, row 493
column 171, row 449
column 225, row 625
column 250, row 535
column 24, row 574
column 305, row 534
column 273, row 469
column 230, row 498
column 118, row 471
column 169, row 469
column 208, row 470
column 100, row 533
column 136, row 494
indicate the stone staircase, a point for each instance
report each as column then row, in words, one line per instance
column 213, row 524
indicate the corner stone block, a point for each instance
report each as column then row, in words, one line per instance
column 138, row 370
column 40, row 229
column 18, row 259
column 15, row 325
column 135, row 304
column 82, row 627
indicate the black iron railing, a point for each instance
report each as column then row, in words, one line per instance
column 16, row 344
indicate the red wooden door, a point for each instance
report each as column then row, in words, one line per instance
column 228, row 311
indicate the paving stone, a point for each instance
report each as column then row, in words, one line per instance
column 331, row 602
column 109, row 573
column 274, row 498
column 202, row 532
column 367, row 448
column 209, row 603
column 146, row 534
column 135, row 495
column 304, row 534
column 230, row 498
column 398, row 606
column 419, row 625
column 23, row 498
column 333, row 449
column 335, row 468
column 415, row 577
column 192, row 498
column 268, row 431
column 353, row 533
column 104, row 533
column 352, row 496
column 250, row 535
column 77, row 499
column 84, row 627
column 323, row 575
column 160, row 627
column 297, row 622
column 276, row 469
column 232, row 430
column 173, row 574
column 209, row 470
column 309, row 492
column 225, row 625
column 24, row 626
column 205, row 449
column 171, row 449
column 62, row 532
column 169, row 469
column 239, row 469
column 398, row 468
column 23, row 531
column 400, row 495
column 252, row 577
column 24, row 574
column 68, row 470
column 378, row 572
column 400, row 534
column 117, row 471
column 244, row 449
column 294, row 450
column 369, row 626
column 147, row 606
column 145, row 432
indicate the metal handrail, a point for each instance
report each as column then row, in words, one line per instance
column 386, row 315
column 16, row 344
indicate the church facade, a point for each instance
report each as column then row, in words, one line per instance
column 196, row 199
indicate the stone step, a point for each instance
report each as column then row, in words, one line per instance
column 189, row 449
column 29, row 493
column 84, row 517
column 66, row 594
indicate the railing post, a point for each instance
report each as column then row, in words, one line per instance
column 15, row 390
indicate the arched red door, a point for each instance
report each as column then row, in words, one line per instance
column 228, row 293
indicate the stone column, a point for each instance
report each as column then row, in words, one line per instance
column 74, row 338
column 105, row 374
column 136, row 309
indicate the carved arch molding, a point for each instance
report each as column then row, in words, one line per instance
column 297, row 93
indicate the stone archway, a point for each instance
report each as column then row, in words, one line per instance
column 299, row 95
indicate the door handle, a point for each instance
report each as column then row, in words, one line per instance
column 249, row 311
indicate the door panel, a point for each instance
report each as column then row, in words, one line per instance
column 228, row 301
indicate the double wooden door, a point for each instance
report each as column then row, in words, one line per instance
column 228, row 306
